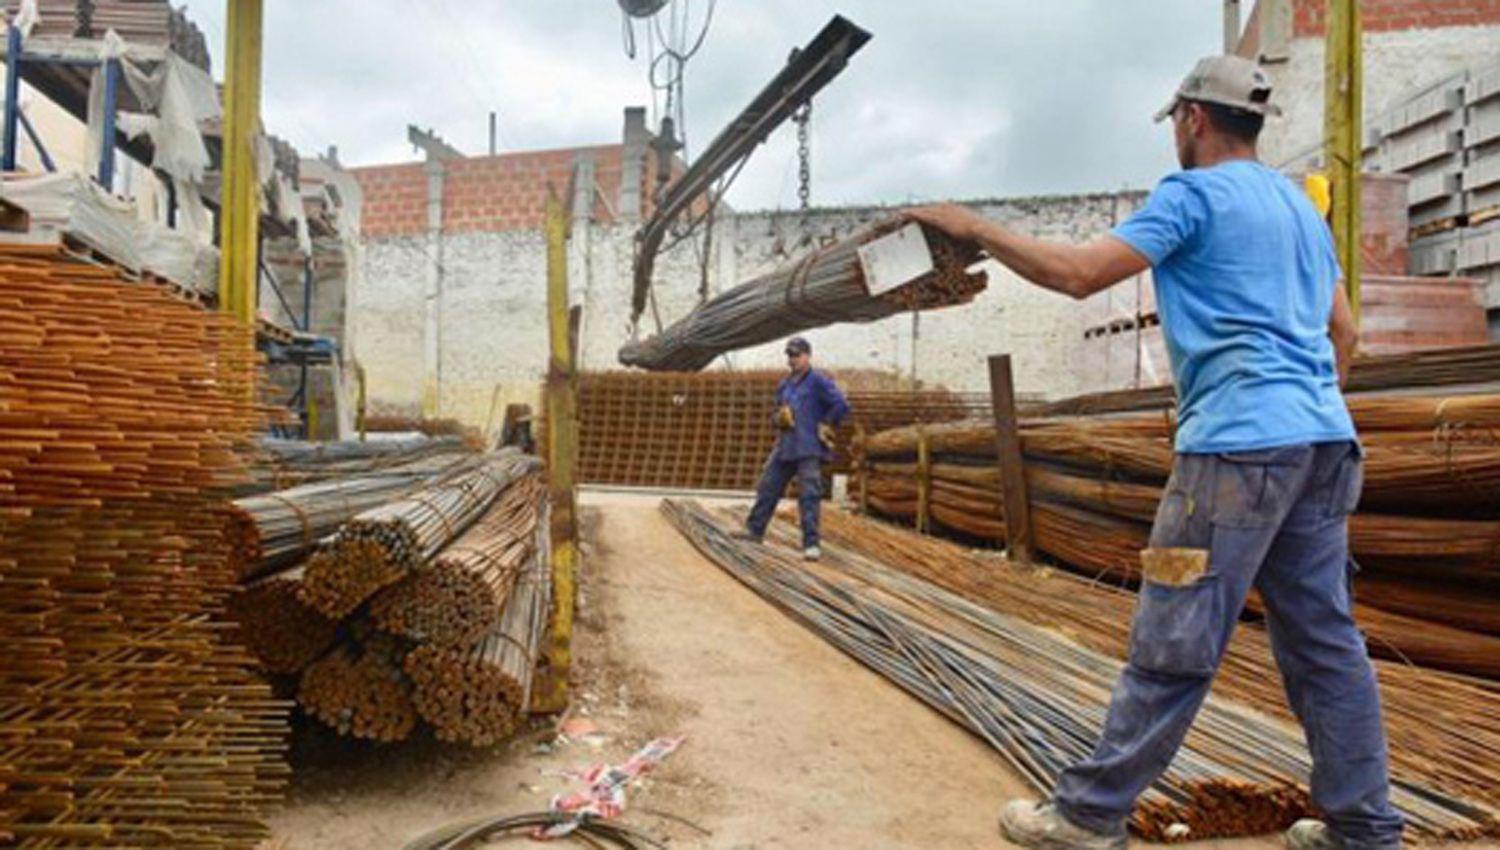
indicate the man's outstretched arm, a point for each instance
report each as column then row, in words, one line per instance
column 1343, row 332
column 1074, row 270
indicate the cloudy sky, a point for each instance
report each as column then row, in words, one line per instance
column 951, row 98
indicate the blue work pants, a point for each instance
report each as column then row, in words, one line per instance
column 1277, row 520
column 773, row 480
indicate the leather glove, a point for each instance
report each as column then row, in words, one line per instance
column 785, row 420
column 825, row 435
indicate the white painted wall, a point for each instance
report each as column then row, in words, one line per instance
column 493, row 311
column 1396, row 64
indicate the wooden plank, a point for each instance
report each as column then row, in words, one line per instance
column 1013, row 497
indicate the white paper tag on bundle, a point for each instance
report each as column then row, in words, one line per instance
column 895, row 259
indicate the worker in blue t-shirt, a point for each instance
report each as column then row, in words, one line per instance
column 808, row 405
column 1260, row 335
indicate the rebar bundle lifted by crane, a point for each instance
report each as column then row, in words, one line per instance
column 824, row 287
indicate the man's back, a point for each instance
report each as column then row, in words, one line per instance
column 1245, row 275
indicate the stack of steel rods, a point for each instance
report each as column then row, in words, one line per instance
column 1442, row 728
column 382, row 545
column 358, row 689
column 283, row 634
column 478, row 695
column 271, row 531
column 823, row 288
column 129, row 718
column 1038, row 698
column 457, row 599
column 288, row 463
column 1464, row 366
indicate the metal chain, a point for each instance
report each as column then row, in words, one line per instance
column 803, row 117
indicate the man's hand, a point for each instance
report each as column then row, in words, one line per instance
column 826, row 435
column 785, row 419
column 959, row 222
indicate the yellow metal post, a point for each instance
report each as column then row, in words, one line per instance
column 239, row 216
column 551, row 693
column 1343, row 107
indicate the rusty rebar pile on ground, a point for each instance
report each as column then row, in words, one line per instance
column 478, row 695
column 1441, row 727
column 283, row 634
column 823, row 288
column 1039, row 698
column 380, row 546
column 1428, row 526
column 457, row 598
column 290, row 463
column 457, row 639
column 358, row 689
column 127, row 717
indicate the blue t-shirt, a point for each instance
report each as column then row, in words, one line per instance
column 1245, row 273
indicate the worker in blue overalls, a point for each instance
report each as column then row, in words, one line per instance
column 1267, row 471
column 808, row 405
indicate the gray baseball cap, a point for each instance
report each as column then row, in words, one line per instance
column 1226, row 80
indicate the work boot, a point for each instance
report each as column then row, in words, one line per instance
column 1311, row 834
column 1041, row 825
column 812, row 553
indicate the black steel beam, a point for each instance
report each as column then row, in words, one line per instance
column 805, row 74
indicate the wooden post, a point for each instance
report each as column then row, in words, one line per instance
column 1013, row 498
column 924, row 481
column 1343, row 105
column 551, row 694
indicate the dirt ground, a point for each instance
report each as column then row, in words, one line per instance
column 790, row 744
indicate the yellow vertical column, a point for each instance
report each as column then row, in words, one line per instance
column 1343, row 108
column 239, row 215
column 551, row 693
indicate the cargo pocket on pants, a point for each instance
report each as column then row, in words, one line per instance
column 1177, row 614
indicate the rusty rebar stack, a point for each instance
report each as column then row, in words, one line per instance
column 457, row 599
column 128, row 717
column 271, row 531
column 358, row 688
column 478, row 695
column 283, row 634
column 382, row 545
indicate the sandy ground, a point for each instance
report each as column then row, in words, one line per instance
column 790, row 744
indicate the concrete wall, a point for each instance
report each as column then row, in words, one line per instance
column 492, row 324
column 1397, row 62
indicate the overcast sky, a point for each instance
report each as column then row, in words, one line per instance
column 950, row 99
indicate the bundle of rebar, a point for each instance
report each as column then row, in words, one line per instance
column 823, row 288
column 289, row 463
column 478, row 695
column 127, row 717
column 1039, row 698
column 283, row 634
column 1440, row 367
column 382, row 545
column 1441, row 728
column 358, row 689
column 1428, row 528
column 457, row 599
column 273, row 530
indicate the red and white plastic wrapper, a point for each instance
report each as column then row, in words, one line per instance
column 605, row 795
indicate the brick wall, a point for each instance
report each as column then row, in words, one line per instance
column 484, row 194
column 1396, row 15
